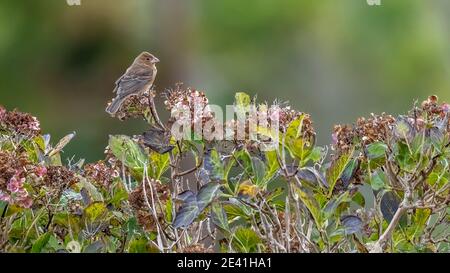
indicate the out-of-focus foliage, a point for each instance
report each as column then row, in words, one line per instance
column 324, row 56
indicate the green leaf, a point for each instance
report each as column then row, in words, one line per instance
column 376, row 150
column 242, row 103
column 378, row 180
column 246, row 240
column 219, row 217
column 333, row 204
column 336, row 170
column 259, row 170
column 272, row 165
column 236, row 211
column 420, row 220
column 169, row 209
column 95, row 210
column 187, row 213
column 91, row 189
column 316, row 154
column 207, row 194
column 312, row 205
column 120, row 194
column 214, row 165
column 159, row 163
column 138, row 245
column 40, row 243
column 95, row 247
column 311, row 177
column 129, row 153
column 245, row 160
column 293, row 141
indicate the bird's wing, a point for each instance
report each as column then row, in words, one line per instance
column 129, row 86
column 134, row 73
column 132, row 83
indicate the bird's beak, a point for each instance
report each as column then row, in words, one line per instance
column 155, row 60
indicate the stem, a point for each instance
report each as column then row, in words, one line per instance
column 380, row 245
column 153, row 110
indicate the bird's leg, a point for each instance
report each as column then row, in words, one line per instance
column 153, row 110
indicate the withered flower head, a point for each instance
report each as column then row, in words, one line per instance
column 138, row 202
column 343, row 137
column 187, row 105
column 59, row 178
column 286, row 115
column 16, row 193
column 136, row 106
column 19, row 123
column 101, row 174
column 137, row 199
column 373, row 129
column 365, row 131
column 12, row 163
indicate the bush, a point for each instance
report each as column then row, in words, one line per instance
column 381, row 186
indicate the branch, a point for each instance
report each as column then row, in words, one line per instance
column 380, row 245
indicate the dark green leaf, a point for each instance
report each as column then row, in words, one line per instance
column 389, row 205
column 207, row 194
column 187, row 214
column 214, row 165
column 311, row 176
column 158, row 140
column 352, row 224
column 349, row 172
column 259, row 170
column 40, row 243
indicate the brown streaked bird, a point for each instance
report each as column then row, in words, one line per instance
column 138, row 78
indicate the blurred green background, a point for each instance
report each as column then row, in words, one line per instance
column 334, row 59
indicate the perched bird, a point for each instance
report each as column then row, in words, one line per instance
column 138, row 78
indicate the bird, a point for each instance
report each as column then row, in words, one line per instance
column 138, row 78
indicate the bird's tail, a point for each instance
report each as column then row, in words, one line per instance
column 114, row 106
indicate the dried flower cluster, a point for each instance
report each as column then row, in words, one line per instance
column 18, row 194
column 136, row 106
column 59, row 178
column 432, row 111
column 13, row 171
column 375, row 128
column 188, row 106
column 138, row 200
column 101, row 174
column 365, row 131
column 19, row 123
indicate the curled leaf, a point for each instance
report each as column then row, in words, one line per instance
column 403, row 129
column 157, row 140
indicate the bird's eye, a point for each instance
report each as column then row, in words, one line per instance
column 148, row 59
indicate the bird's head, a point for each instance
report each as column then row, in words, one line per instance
column 147, row 59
